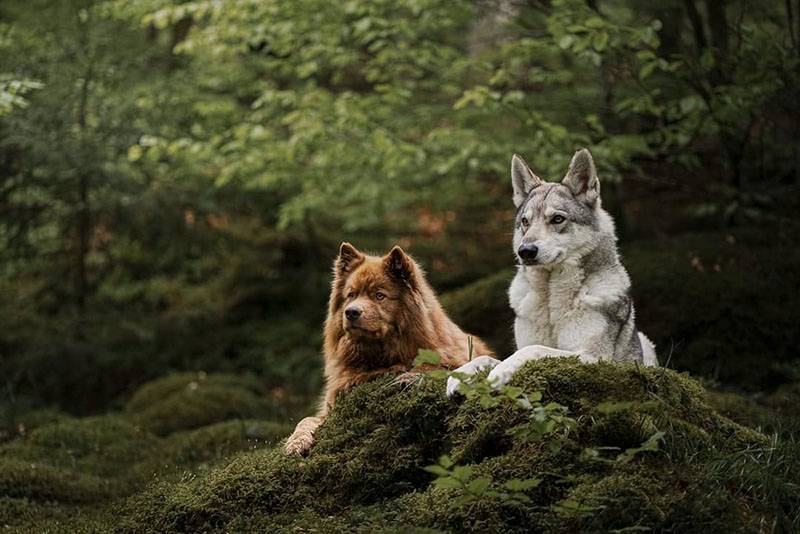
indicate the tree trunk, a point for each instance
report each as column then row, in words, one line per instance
column 718, row 24
column 84, row 225
column 697, row 25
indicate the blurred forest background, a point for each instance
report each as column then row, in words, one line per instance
column 176, row 177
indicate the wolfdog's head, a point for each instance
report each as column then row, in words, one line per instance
column 557, row 222
column 372, row 296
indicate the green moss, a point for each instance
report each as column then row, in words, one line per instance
column 213, row 442
column 192, row 400
column 103, row 446
column 365, row 473
column 366, row 469
column 24, row 515
column 42, row 482
column 33, row 419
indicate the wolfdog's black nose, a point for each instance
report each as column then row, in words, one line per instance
column 352, row 314
column 527, row 253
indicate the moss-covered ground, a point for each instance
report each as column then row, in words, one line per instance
column 220, row 469
column 66, row 474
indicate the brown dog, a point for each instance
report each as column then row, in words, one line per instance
column 381, row 312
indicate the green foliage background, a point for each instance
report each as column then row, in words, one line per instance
column 175, row 177
column 175, row 180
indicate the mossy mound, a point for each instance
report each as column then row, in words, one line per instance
column 104, row 446
column 40, row 482
column 24, row 515
column 216, row 441
column 46, row 475
column 192, row 400
column 366, row 470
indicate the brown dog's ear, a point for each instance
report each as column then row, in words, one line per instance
column 400, row 266
column 349, row 257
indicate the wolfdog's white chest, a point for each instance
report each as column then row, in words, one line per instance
column 548, row 306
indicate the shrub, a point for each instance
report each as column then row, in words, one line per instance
column 720, row 305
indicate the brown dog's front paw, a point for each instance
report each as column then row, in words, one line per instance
column 409, row 378
column 302, row 438
column 298, row 444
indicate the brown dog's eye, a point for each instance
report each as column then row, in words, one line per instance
column 558, row 219
column 379, row 296
column 350, row 295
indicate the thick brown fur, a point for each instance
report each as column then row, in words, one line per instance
column 399, row 315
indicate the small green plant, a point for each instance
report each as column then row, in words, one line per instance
column 650, row 444
column 573, row 508
column 595, row 454
column 427, row 357
column 549, row 420
column 544, row 420
column 473, row 487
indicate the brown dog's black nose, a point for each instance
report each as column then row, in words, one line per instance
column 527, row 253
column 352, row 314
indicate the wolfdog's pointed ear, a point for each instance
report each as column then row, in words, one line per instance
column 581, row 177
column 348, row 257
column 523, row 179
column 400, row 266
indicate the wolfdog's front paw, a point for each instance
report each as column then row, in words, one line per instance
column 470, row 368
column 453, row 384
column 501, row 375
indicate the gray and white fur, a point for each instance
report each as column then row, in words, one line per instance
column 571, row 294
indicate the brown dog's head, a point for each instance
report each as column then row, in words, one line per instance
column 370, row 293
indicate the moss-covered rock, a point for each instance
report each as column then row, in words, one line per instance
column 191, row 400
column 365, row 472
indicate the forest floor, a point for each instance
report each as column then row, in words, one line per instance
column 594, row 448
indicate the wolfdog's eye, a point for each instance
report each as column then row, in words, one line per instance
column 379, row 296
column 557, row 219
column 524, row 221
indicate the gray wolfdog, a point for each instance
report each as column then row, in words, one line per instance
column 571, row 292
